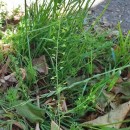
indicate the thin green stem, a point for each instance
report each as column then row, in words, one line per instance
column 27, row 38
column 57, row 76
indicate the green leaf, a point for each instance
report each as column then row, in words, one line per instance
column 31, row 112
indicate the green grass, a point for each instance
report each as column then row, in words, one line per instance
column 73, row 55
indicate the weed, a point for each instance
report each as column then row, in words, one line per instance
column 122, row 48
column 55, row 29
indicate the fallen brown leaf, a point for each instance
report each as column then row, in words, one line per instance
column 91, row 116
column 4, row 68
column 114, row 116
column 63, row 105
column 48, row 100
column 14, row 18
column 128, row 75
column 125, row 90
column 18, row 125
column 6, row 48
column 11, row 78
column 104, row 99
column 120, row 80
column 40, row 65
column 51, row 102
column 23, row 72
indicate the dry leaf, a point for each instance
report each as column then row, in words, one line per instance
column 110, row 96
column 125, row 90
column 51, row 102
column 128, row 75
column 120, row 80
column 14, row 18
column 48, row 101
column 101, row 102
column 11, row 78
column 116, row 102
column 23, row 71
column 6, row 48
column 116, row 90
column 114, row 116
column 91, row 116
column 104, row 99
column 63, row 105
column 19, row 125
column 54, row 126
column 41, row 65
column 4, row 68
column 7, row 81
